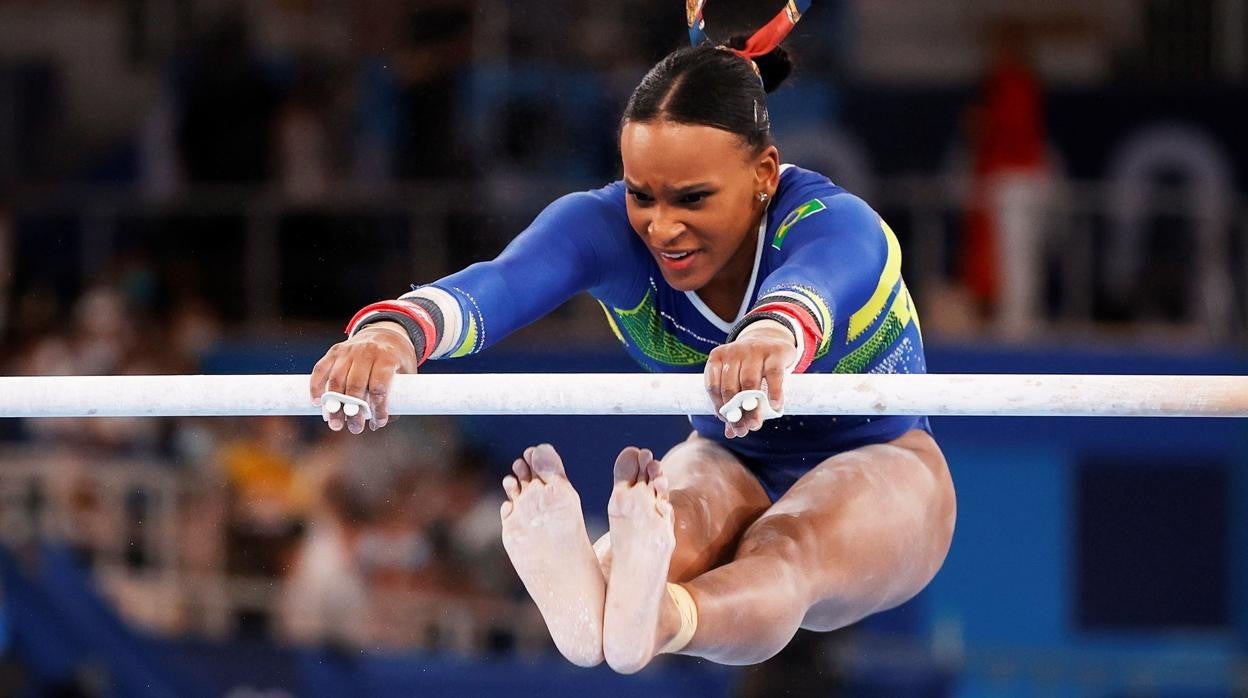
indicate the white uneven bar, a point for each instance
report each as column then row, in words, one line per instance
column 637, row 393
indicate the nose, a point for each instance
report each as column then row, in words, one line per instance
column 664, row 227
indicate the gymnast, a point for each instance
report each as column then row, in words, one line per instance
column 711, row 256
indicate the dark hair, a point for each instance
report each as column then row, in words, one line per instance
column 711, row 86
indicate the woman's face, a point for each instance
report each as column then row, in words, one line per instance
column 693, row 199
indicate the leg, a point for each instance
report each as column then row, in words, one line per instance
column 544, row 535
column 669, row 521
column 862, row 532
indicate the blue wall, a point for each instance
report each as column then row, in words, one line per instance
column 1009, row 581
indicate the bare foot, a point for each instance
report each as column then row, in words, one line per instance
column 642, row 541
column 544, row 534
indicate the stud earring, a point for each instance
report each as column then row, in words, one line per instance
column 763, row 196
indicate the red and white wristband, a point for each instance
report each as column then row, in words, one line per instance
column 420, row 324
column 806, row 331
column 806, row 336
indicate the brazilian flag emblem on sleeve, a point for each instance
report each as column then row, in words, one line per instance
column 806, row 210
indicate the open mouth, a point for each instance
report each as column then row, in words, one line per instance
column 677, row 261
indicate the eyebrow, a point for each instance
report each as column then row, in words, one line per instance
column 697, row 186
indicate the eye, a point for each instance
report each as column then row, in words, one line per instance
column 693, row 198
column 640, row 196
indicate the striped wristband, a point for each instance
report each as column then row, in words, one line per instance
column 792, row 316
column 756, row 316
column 419, row 323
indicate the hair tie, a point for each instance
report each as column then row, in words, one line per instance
column 760, row 42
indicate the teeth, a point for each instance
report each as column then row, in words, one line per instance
column 680, row 255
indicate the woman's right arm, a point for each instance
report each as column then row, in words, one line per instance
column 558, row 255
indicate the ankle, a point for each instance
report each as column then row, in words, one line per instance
column 678, row 620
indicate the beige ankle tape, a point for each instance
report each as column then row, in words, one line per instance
column 688, row 619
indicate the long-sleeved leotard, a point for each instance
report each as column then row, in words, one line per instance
column 820, row 248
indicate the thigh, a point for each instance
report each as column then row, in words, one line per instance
column 714, row 500
column 871, row 523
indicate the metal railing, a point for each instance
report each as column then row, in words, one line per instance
column 135, row 554
column 1095, row 238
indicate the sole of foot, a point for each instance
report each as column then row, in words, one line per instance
column 642, row 541
column 544, row 535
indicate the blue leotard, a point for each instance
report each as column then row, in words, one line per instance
column 820, row 246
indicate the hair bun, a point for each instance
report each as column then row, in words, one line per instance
column 774, row 66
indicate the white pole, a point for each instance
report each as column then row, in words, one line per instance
column 639, row 393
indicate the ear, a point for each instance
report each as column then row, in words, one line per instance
column 767, row 170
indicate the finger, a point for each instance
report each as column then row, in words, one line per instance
column 774, row 372
column 320, row 372
column 730, row 382
column 751, row 379
column 713, row 374
column 333, row 382
column 751, row 421
column 379, row 382
column 751, row 373
column 357, row 386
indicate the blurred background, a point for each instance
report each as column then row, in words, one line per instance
column 215, row 186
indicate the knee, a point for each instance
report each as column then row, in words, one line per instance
column 790, row 543
column 696, row 550
column 943, row 518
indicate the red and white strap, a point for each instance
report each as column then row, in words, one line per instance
column 806, row 329
column 415, row 313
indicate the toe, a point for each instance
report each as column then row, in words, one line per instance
column 522, row 471
column 627, row 466
column 511, row 486
column 662, row 488
column 545, row 462
column 506, row 509
column 654, row 468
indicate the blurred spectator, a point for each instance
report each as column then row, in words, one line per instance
column 228, row 104
column 160, row 173
column 104, row 334
column 375, row 122
column 101, row 340
column 304, row 157
column 89, row 528
column 194, row 330
column 336, row 564
column 475, row 529
column 270, row 495
column 6, row 267
column 395, row 549
column 11, row 672
column 326, row 599
column 1003, row 251
column 399, row 530
column 434, row 40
